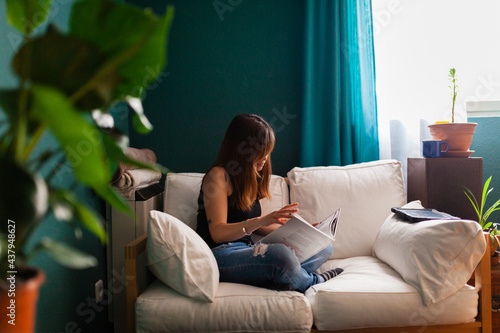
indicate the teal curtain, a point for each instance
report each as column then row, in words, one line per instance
column 339, row 124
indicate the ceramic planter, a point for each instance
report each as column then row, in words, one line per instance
column 458, row 136
column 20, row 301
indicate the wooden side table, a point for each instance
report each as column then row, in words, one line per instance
column 439, row 183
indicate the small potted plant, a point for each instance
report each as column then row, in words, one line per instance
column 483, row 215
column 458, row 135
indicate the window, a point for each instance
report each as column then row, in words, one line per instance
column 416, row 43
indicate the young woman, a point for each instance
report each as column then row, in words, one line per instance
column 229, row 212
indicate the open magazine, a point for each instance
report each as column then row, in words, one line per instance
column 305, row 239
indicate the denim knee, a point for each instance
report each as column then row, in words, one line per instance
column 280, row 255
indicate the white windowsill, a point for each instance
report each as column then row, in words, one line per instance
column 483, row 109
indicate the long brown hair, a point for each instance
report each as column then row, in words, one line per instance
column 249, row 138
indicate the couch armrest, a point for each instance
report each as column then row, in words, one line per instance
column 132, row 252
column 483, row 284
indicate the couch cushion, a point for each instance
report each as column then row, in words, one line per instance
column 236, row 308
column 436, row 257
column 369, row 293
column 182, row 190
column 279, row 195
column 366, row 192
column 181, row 196
column 180, row 258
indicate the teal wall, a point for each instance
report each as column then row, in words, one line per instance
column 251, row 60
column 486, row 144
column 65, row 303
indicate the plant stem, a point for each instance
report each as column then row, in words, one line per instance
column 34, row 140
column 453, row 106
column 20, row 128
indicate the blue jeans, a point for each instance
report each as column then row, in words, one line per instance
column 272, row 266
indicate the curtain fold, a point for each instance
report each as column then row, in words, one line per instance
column 339, row 122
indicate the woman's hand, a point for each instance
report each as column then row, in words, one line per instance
column 280, row 216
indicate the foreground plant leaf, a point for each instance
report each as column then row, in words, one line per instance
column 87, row 216
column 78, row 137
column 65, row 255
column 27, row 15
column 134, row 40
column 8, row 101
column 67, row 63
column 80, row 140
column 23, row 196
column 115, row 199
column 117, row 153
column 139, row 119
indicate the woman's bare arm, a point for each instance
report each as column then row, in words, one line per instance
column 216, row 189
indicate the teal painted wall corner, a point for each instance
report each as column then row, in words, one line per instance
column 486, row 144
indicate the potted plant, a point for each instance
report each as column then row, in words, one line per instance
column 67, row 83
column 458, row 135
column 483, row 214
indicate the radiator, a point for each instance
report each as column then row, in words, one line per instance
column 121, row 230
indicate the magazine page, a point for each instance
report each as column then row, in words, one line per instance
column 301, row 236
column 329, row 225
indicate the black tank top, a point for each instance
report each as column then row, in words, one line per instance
column 233, row 215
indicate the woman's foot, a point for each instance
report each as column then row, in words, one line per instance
column 323, row 277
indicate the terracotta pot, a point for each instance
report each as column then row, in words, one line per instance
column 458, row 135
column 20, row 301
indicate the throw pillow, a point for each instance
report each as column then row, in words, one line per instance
column 437, row 257
column 180, row 258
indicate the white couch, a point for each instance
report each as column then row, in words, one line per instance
column 398, row 277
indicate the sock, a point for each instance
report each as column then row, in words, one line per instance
column 323, row 277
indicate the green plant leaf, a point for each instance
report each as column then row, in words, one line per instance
column 3, row 246
column 486, row 192
column 23, row 196
column 139, row 120
column 108, row 193
column 490, row 210
column 67, row 63
column 66, row 255
column 8, row 101
column 79, row 139
column 134, row 39
column 26, row 15
column 473, row 201
column 117, row 152
column 3, row 254
column 87, row 216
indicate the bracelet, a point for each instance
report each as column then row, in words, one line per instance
column 244, row 230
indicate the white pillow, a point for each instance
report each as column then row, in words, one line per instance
column 180, row 258
column 436, row 257
column 365, row 192
column 182, row 191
